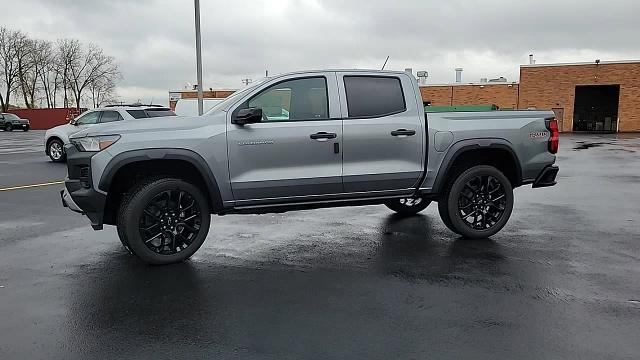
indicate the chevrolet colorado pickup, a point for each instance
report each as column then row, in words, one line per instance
column 300, row 141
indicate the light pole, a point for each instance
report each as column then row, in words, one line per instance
column 199, row 58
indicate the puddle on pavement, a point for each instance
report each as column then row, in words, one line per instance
column 585, row 146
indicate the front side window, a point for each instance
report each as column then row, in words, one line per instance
column 89, row 118
column 373, row 96
column 110, row 116
column 298, row 99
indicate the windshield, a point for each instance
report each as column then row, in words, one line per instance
column 11, row 117
column 233, row 97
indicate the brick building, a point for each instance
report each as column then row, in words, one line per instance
column 596, row 97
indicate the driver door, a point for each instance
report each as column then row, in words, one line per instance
column 294, row 153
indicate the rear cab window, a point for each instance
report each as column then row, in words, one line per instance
column 374, row 96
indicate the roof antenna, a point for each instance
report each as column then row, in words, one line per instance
column 151, row 103
column 385, row 63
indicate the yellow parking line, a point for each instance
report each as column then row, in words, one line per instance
column 32, row 186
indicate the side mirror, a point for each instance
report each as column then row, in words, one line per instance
column 248, row 116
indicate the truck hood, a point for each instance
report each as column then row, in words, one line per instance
column 147, row 125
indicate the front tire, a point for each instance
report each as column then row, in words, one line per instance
column 8, row 127
column 477, row 203
column 408, row 206
column 55, row 149
column 164, row 221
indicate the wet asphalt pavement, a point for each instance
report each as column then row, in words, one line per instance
column 561, row 281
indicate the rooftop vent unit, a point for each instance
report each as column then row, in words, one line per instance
column 459, row 75
column 501, row 79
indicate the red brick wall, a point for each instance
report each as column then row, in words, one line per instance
column 503, row 95
column 547, row 87
column 44, row 119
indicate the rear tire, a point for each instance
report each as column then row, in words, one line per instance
column 164, row 220
column 477, row 203
column 25, row 129
column 408, row 206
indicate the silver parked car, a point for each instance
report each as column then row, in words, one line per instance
column 56, row 138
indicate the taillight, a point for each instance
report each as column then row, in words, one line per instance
column 554, row 140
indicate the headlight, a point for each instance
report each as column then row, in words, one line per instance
column 94, row 143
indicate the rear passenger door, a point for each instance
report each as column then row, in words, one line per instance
column 383, row 132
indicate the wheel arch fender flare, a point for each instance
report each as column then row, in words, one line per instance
column 465, row 146
column 143, row 155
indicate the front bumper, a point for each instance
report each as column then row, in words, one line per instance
column 547, row 177
column 78, row 194
column 67, row 201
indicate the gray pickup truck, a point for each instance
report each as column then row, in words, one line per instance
column 300, row 141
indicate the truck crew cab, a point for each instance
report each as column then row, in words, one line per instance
column 301, row 141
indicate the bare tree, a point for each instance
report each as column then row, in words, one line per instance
column 69, row 51
column 37, row 70
column 44, row 69
column 103, row 91
column 89, row 65
column 24, row 59
column 8, row 65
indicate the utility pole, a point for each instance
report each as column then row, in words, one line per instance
column 199, row 58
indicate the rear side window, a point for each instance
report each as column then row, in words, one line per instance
column 151, row 113
column 110, row 116
column 374, row 96
column 159, row 113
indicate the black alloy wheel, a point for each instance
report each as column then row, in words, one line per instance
column 482, row 202
column 477, row 203
column 163, row 220
column 408, row 206
column 170, row 222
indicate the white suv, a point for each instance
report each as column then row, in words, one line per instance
column 56, row 138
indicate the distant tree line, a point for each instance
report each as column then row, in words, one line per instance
column 41, row 73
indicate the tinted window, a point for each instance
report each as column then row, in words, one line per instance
column 150, row 113
column 110, row 116
column 299, row 99
column 88, row 118
column 159, row 112
column 11, row 117
column 369, row 96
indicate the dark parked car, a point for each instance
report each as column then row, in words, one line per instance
column 8, row 122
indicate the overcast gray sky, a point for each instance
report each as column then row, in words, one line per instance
column 153, row 40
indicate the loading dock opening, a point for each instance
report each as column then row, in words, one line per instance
column 596, row 108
